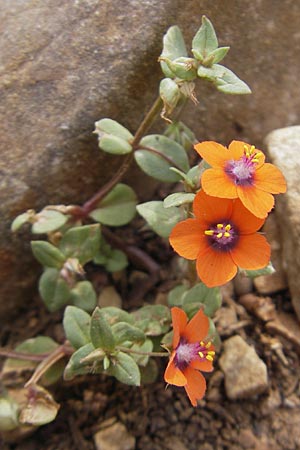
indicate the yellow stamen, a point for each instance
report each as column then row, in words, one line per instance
column 211, row 352
column 206, row 345
column 209, row 232
column 228, row 227
column 201, row 355
column 220, row 226
column 219, row 235
column 209, row 358
column 226, row 234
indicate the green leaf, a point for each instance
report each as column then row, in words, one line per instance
column 112, row 315
column 170, row 95
column 81, row 242
column 112, row 127
column 218, row 54
column 205, row 40
column 147, row 346
column 114, row 145
column 175, row 296
column 194, row 176
column 117, row 208
column 123, row 331
column 178, row 199
column 173, row 47
column 47, row 254
column 101, row 332
column 83, row 296
column 75, row 365
column 48, row 220
column 21, row 219
column 183, row 68
column 116, row 261
column 224, row 79
column 268, row 270
column 201, row 294
column 53, row 289
column 125, row 369
column 160, row 219
column 35, row 346
column 77, row 324
column 162, row 153
column 8, row 413
column 154, row 320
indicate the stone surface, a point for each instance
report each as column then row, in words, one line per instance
column 66, row 64
column 277, row 281
column 109, row 297
column 284, row 150
column 114, row 437
column 245, row 373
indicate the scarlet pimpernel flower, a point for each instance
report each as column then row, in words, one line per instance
column 221, row 238
column 240, row 171
column 191, row 353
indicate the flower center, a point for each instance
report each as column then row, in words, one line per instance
column 222, row 236
column 241, row 171
column 187, row 352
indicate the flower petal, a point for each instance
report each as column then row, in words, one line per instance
column 215, row 268
column 196, row 385
column 269, row 179
column 211, row 210
column 237, row 149
column 244, row 220
column 179, row 321
column 204, row 365
column 185, row 238
column 214, row 154
column 252, row 252
column 173, row 375
column 256, row 201
column 215, row 182
column 197, row 328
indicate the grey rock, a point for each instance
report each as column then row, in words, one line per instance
column 115, row 437
column 284, row 150
column 65, row 65
column 245, row 373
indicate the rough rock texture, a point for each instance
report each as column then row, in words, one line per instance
column 284, row 150
column 245, row 373
column 114, row 437
column 66, row 64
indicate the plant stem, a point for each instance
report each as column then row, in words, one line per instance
column 20, row 355
column 138, row 352
column 90, row 204
column 59, row 353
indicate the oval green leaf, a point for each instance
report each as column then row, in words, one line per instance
column 159, row 218
column 117, row 208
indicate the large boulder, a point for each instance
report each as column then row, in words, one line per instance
column 66, row 64
column 284, row 149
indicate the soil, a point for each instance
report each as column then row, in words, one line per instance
column 160, row 418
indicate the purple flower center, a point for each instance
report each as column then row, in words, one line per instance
column 187, row 352
column 222, row 236
column 241, row 171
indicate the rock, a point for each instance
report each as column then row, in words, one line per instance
column 242, row 284
column 115, row 437
column 245, row 373
column 109, row 297
column 284, row 149
column 267, row 284
column 268, row 404
column 65, row 67
column 247, row 439
column 226, row 317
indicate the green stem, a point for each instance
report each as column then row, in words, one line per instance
column 138, row 352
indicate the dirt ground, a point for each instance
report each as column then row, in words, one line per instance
column 157, row 418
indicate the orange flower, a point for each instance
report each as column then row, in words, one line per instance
column 222, row 237
column 190, row 354
column 241, row 172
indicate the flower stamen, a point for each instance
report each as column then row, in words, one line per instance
column 204, row 351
